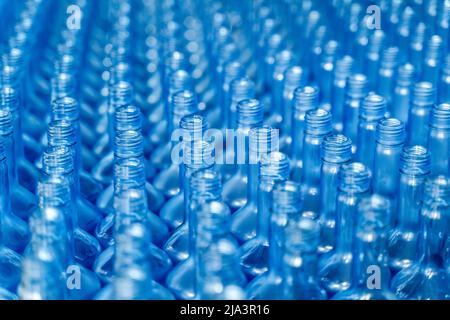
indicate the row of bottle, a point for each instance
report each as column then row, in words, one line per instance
column 104, row 154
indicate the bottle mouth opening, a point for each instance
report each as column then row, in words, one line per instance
column 354, row 177
column 337, row 148
column 390, row 131
column 415, row 160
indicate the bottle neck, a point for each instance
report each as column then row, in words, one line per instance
column 11, row 158
column 329, row 188
column 409, row 201
column 252, row 184
column 298, row 129
column 386, row 169
column 311, row 159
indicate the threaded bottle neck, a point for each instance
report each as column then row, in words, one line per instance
column 434, row 48
column 58, row 160
column 262, row 140
column 198, row 154
column 129, row 173
column 415, row 160
column 294, row 77
column 376, row 41
column 241, row 89
column 337, row 149
column 373, row 108
column 179, row 80
column 53, row 191
column 274, row 166
column 66, row 64
column 121, row 93
column 61, row 133
column 232, row 70
column 193, row 127
column 446, row 66
column 9, row 99
column 120, row 72
column 406, row 75
column 65, row 108
column 207, row 184
column 344, row 67
column 286, row 198
column 283, row 60
column 389, row 58
column 354, row 178
column 438, row 188
column 6, row 124
column 127, row 117
column 250, row 113
column 305, row 99
column 184, row 103
column 390, row 132
column 318, row 122
column 128, row 144
column 440, row 116
column 175, row 60
column 10, row 76
column 63, row 84
column 418, row 36
column 424, row 94
column 358, row 86
column 302, row 236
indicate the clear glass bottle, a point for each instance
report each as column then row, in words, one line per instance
column 423, row 99
column 10, row 261
column 305, row 99
column 439, row 139
column 444, row 83
column 336, row 151
column 387, row 74
column 344, row 68
column 218, row 274
column 335, row 267
column 376, row 42
column 357, row 89
column 206, row 185
column 406, row 77
column 274, row 167
column 432, row 60
column 390, row 138
column 414, row 168
column 372, row 110
column 371, row 275
column 425, row 278
column 192, row 129
column 261, row 141
column 129, row 174
column 318, row 125
column 250, row 114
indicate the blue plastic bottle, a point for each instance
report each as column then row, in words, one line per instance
column 439, row 139
column 336, row 151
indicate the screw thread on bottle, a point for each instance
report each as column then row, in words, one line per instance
column 206, row 183
column 241, row 89
column 121, row 93
column 63, row 84
column 424, row 94
column 306, row 98
column 318, row 122
column 376, row 41
column 193, row 126
column 175, row 60
column 389, row 58
column 294, row 77
column 344, row 67
column 274, row 165
column 406, row 75
column 437, row 187
column 434, row 48
column 129, row 173
column 120, row 72
column 337, row 149
column 179, row 80
column 373, row 108
column 127, row 117
column 10, row 76
column 232, row 70
column 287, row 198
column 415, row 160
column 358, row 86
column 250, row 113
column 198, row 154
column 58, row 160
column 61, row 133
column 65, row 108
column 283, row 60
column 183, row 103
column 354, row 177
column 53, row 191
column 390, row 132
column 9, row 99
column 440, row 116
column 262, row 140
column 6, row 124
column 128, row 144
column 66, row 64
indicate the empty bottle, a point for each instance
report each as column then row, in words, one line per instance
column 425, row 278
column 336, row 151
column 406, row 76
column 335, row 267
column 414, row 168
column 439, row 139
column 343, row 69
